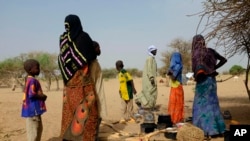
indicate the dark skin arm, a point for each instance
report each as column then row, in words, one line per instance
column 171, row 76
column 133, row 86
column 42, row 97
column 222, row 60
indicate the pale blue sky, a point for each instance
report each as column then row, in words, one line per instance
column 124, row 28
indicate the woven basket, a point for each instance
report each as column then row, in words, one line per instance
column 189, row 132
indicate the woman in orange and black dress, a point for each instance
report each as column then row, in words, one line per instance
column 80, row 110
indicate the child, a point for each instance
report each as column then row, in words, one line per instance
column 33, row 101
column 126, row 92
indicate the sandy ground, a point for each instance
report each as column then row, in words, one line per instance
column 231, row 93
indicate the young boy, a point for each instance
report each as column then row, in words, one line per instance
column 33, row 101
column 126, row 92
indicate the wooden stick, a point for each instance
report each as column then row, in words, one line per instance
column 148, row 136
column 115, row 129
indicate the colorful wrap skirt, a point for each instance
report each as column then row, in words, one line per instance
column 206, row 109
column 80, row 110
column 176, row 103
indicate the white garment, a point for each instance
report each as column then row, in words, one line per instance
column 96, row 74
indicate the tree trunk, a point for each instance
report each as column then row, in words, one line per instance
column 48, row 83
column 57, row 82
column 246, row 80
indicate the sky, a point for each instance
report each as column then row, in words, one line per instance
column 123, row 28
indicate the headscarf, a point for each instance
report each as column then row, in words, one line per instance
column 73, row 26
column 76, row 48
column 203, row 58
column 176, row 66
column 151, row 48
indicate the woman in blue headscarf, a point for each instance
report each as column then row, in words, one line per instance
column 176, row 97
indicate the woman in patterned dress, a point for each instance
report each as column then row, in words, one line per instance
column 80, row 110
column 206, row 109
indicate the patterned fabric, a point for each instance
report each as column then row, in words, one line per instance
column 70, row 58
column 206, row 110
column 76, row 48
column 125, row 85
column 202, row 56
column 80, row 110
column 31, row 106
column 176, row 103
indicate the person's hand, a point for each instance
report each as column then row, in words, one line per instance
column 172, row 77
column 201, row 77
column 152, row 81
column 44, row 97
column 120, row 93
column 169, row 73
column 134, row 91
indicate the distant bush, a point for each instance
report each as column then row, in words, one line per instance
column 112, row 73
column 236, row 70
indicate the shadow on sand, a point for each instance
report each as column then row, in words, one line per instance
column 239, row 107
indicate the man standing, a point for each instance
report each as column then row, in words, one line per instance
column 147, row 98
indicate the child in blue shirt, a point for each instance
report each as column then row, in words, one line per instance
column 33, row 101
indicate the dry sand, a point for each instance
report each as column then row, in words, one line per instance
column 232, row 96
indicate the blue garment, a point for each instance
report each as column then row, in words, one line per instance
column 176, row 66
column 32, row 106
column 206, row 109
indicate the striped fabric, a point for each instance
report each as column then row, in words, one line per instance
column 70, row 58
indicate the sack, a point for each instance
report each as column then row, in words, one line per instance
column 189, row 132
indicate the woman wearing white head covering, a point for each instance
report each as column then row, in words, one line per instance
column 147, row 97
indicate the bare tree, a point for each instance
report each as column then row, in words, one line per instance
column 228, row 23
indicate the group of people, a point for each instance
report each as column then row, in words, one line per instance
column 83, row 98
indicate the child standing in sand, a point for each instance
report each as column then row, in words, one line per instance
column 33, row 101
column 126, row 92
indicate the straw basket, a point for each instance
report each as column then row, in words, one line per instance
column 189, row 132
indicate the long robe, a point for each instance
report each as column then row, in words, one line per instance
column 148, row 95
column 96, row 74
